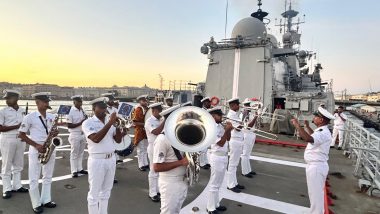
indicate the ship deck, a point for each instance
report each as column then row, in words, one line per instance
column 278, row 187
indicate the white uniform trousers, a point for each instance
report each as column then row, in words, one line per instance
column 335, row 133
column 173, row 193
column 249, row 142
column 142, row 153
column 236, row 149
column 101, row 173
column 152, row 176
column 78, row 144
column 218, row 170
column 34, row 174
column 12, row 153
column 203, row 160
column 316, row 176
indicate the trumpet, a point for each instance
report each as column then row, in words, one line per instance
column 122, row 123
column 245, row 126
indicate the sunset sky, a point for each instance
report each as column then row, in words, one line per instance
column 130, row 42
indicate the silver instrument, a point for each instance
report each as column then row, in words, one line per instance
column 122, row 123
column 245, row 126
column 50, row 143
column 191, row 129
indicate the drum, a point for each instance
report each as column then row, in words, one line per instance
column 124, row 148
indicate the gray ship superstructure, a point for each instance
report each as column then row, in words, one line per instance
column 252, row 63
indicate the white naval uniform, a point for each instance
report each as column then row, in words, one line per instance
column 151, row 124
column 218, row 162
column 33, row 124
column 338, row 129
column 316, row 157
column 203, row 160
column 110, row 110
column 76, row 139
column 12, row 149
column 236, row 149
column 101, row 165
column 173, row 187
column 249, row 142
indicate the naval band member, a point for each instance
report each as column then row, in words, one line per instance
column 249, row 141
column 316, row 156
column 340, row 119
column 77, row 140
column 169, row 101
column 218, row 160
column 101, row 134
column 11, row 147
column 140, row 140
column 203, row 161
column 235, row 144
column 171, row 166
column 38, row 124
column 153, row 127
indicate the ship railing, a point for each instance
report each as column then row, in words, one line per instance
column 364, row 148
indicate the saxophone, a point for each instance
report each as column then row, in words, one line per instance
column 50, row 143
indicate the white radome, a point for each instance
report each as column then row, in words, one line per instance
column 249, row 27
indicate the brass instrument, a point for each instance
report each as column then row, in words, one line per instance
column 50, row 143
column 122, row 123
column 245, row 126
column 191, row 129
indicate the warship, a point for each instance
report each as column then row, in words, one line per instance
column 250, row 64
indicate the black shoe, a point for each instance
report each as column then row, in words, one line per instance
column 252, row 173
column 74, row 175
column 208, row 165
column 50, row 204
column 39, row 209
column 142, row 169
column 205, row 167
column 248, row 175
column 83, row 172
column 235, row 189
column 332, row 147
column 155, row 198
column 212, row 212
column 119, row 161
column 339, row 148
column 159, row 194
column 146, row 167
column 240, row 186
column 221, row 208
column 7, row 195
column 21, row 190
column 115, row 181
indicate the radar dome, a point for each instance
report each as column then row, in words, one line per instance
column 273, row 40
column 249, row 27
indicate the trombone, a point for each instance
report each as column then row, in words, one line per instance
column 245, row 126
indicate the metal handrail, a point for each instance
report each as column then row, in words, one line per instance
column 364, row 149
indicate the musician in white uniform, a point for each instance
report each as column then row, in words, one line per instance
column 236, row 145
column 111, row 109
column 218, row 160
column 77, row 139
column 169, row 101
column 101, row 134
column 203, row 161
column 39, row 124
column 11, row 147
column 153, row 127
column 340, row 119
column 316, row 157
column 249, row 141
column 171, row 167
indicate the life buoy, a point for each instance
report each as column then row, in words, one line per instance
column 214, row 101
